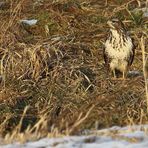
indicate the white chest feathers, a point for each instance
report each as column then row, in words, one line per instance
column 118, row 46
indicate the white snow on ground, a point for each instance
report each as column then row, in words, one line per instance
column 29, row 22
column 115, row 137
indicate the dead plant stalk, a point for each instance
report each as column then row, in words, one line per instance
column 142, row 44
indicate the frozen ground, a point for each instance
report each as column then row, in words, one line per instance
column 115, row 137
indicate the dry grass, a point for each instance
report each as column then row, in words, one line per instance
column 57, row 69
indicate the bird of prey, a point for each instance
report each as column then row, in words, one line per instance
column 119, row 48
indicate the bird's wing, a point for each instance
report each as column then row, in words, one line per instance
column 106, row 58
column 105, row 55
column 131, row 58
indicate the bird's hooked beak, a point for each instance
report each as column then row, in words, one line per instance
column 109, row 23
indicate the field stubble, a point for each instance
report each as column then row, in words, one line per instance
column 53, row 78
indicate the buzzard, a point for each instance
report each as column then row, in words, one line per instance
column 119, row 48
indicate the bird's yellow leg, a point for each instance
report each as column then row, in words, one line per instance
column 114, row 74
column 123, row 76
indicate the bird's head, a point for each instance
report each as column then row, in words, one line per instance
column 115, row 24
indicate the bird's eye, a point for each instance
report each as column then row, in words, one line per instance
column 114, row 21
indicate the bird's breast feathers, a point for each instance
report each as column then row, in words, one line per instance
column 119, row 47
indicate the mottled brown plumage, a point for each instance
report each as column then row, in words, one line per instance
column 119, row 48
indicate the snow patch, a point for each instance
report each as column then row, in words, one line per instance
column 29, row 22
column 129, row 137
